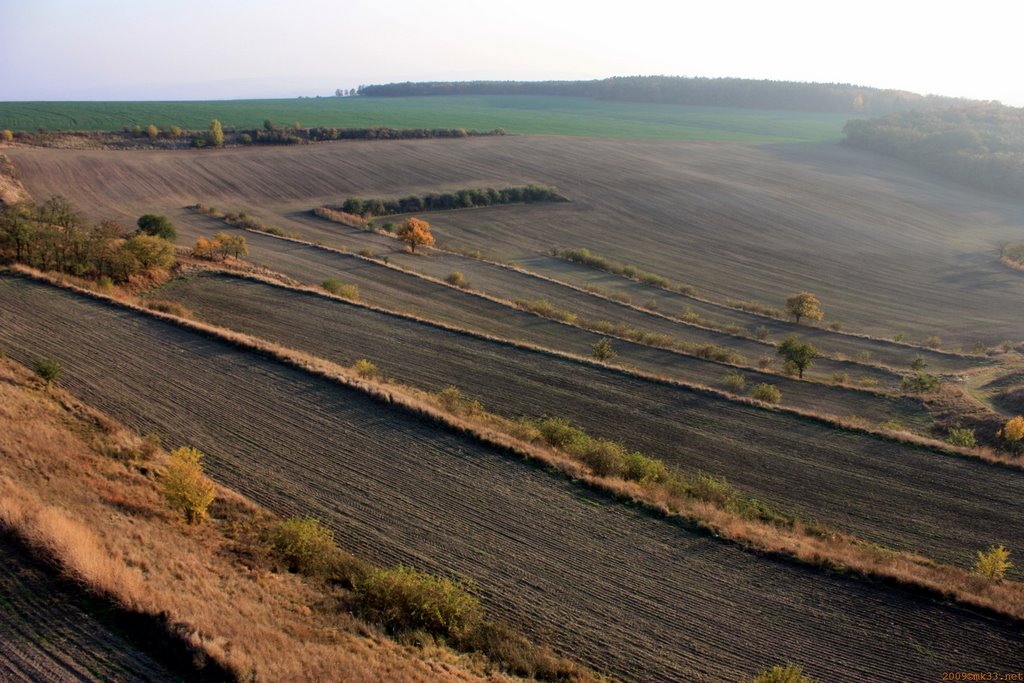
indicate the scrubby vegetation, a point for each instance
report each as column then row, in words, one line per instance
column 769, row 393
column 602, row 349
column 336, row 287
column 459, row 199
column 993, row 563
column 457, row 279
column 48, row 369
column 585, row 257
column 186, row 486
column 790, row 673
column 222, row 246
column 55, row 236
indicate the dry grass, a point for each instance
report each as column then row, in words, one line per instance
column 810, row 545
column 103, row 521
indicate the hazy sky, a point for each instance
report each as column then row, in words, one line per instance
column 193, row 49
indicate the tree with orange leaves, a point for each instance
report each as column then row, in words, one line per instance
column 414, row 231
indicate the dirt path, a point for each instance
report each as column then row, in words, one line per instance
column 49, row 633
column 629, row 593
column 881, row 491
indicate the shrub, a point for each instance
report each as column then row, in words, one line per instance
column 765, row 361
column 769, row 393
column 152, row 132
column 639, row 467
column 560, row 434
column 48, row 369
column 185, row 485
column 544, row 308
column 403, row 599
column 1013, row 431
column 919, row 383
column 457, row 279
column 933, row 342
column 104, row 283
column 366, row 369
column 216, row 133
column 305, row 544
column 6, row 135
column 962, row 437
column 735, row 382
column 761, row 333
column 867, row 382
column 338, row 288
column 169, row 307
column 453, row 400
column 791, row 673
column 993, row 563
column 174, row 132
column 919, row 363
column 602, row 349
column 840, row 378
column 891, row 426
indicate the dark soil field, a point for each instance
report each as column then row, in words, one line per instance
column 885, row 247
column 861, row 484
column 396, row 290
column 631, row 594
column 51, row 633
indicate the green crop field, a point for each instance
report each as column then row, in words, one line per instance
column 534, row 115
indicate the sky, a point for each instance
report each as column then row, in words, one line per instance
column 228, row 49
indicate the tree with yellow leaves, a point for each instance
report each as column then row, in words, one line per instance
column 1013, row 431
column 185, row 485
column 414, row 231
column 804, row 305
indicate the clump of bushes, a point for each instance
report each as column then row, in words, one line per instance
column 962, row 437
column 545, row 308
column 735, row 382
column 169, row 307
column 769, row 393
column 48, row 369
column 457, row 279
column 366, row 369
column 586, row 258
column 306, row 545
column 452, row 399
column 919, row 383
column 604, row 457
column 185, row 485
column 460, row 199
column 404, row 599
column 790, row 673
column 339, row 288
column 221, row 247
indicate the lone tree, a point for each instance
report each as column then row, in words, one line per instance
column 216, row 134
column 804, row 305
column 157, row 226
column 797, row 354
column 414, row 231
column 48, row 369
column 185, row 485
column 602, row 349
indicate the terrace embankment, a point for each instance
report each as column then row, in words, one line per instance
column 628, row 592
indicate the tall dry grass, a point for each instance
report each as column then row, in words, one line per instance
column 103, row 521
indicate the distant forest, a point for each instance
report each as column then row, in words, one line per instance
column 978, row 144
column 718, row 92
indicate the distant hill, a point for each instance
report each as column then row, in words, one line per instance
column 718, row 92
column 980, row 144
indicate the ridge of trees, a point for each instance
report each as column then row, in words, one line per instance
column 458, row 199
column 978, row 144
column 726, row 92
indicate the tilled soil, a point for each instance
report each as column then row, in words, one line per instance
column 879, row 490
column 49, row 633
column 624, row 591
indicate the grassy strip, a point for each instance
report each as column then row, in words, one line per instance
column 811, row 546
column 585, row 257
column 240, row 539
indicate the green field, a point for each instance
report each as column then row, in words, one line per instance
column 535, row 115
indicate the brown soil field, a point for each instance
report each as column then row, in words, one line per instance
column 397, row 290
column 212, row 296
column 544, row 272
column 627, row 592
column 886, row 248
column 864, row 485
column 51, row 632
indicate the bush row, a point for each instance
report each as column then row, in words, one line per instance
column 459, row 199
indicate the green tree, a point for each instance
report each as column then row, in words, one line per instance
column 150, row 251
column 798, row 354
column 185, row 485
column 804, row 305
column 48, row 369
column 158, row 226
column 216, row 134
column 602, row 349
